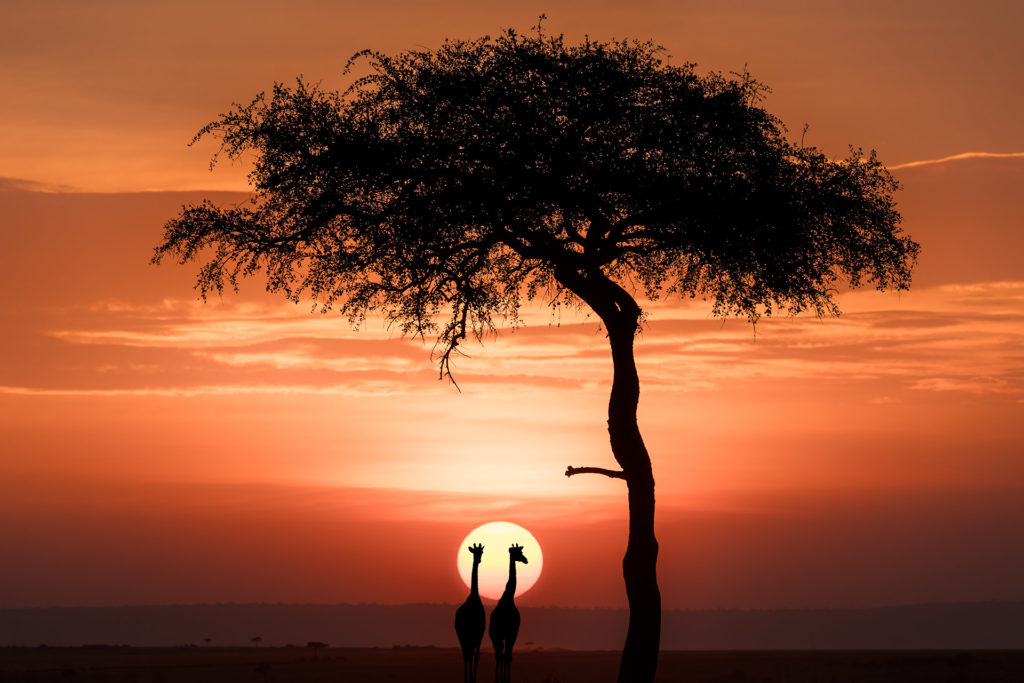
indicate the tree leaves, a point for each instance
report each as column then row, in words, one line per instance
column 447, row 186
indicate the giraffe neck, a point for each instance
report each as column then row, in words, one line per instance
column 510, row 587
column 474, row 588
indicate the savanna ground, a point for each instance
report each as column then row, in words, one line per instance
column 427, row 665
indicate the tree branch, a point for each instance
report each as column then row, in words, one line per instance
column 614, row 474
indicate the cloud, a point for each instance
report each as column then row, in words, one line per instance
column 371, row 386
column 25, row 185
column 949, row 338
column 959, row 157
column 974, row 385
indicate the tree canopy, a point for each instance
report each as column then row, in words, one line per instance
column 446, row 187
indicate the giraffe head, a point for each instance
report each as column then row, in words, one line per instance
column 477, row 550
column 516, row 553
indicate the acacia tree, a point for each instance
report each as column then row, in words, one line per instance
column 445, row 188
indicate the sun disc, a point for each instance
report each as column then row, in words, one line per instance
column 496, row 537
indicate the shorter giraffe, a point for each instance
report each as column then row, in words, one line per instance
column 469, row 622
column 505, row 620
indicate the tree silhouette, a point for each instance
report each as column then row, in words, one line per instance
column 316, row 646
column 256, row 640
column 445, row 188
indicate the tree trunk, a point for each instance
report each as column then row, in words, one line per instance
column 639, row 566
column 621, row 316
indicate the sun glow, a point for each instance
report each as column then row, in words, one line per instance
column 496, row 537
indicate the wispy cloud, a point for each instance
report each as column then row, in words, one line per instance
column 24, row 185
column 951, row 338
column 959, row 157
column 369, row 387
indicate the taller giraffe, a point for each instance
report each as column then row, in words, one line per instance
column 505, row 620
column 469, row 622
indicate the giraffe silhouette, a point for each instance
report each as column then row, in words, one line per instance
column 505, row 620
column 469, row 622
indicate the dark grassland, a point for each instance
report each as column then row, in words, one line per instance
column 427, row 665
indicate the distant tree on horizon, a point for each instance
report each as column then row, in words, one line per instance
column 256, row 640
column 207, row 641
column 316, row 646
column 446, row 188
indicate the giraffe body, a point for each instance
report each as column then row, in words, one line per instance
column 505, row 620
column 469, row 622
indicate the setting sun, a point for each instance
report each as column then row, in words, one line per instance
column 496, row 537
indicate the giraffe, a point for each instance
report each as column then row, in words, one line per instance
column 469, row 622
column 505, row 620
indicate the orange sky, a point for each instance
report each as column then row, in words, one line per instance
column 156, row 449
